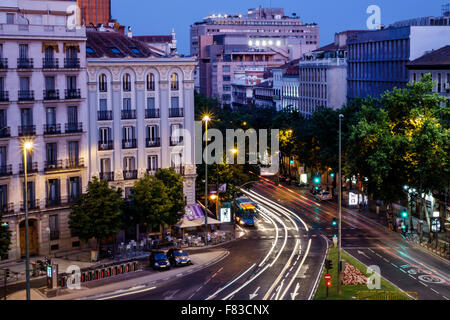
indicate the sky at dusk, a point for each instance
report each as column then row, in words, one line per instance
column 155, row 17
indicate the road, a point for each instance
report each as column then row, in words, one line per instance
column 404, row 264
column 280, row 259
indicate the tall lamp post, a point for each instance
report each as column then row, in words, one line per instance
column 27, row 146
column 341, row 116
column 206, row 119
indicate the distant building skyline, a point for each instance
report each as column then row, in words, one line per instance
column 159, row 18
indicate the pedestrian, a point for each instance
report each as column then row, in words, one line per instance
column 419, row 230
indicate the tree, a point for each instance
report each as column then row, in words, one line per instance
column 151, row 201
column 97, row 213
column 174, row 185
column 5, row 238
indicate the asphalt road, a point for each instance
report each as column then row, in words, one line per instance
column 403, row 263
column 280, row 259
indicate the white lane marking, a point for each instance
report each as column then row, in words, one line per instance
column 229, row 284
column 298, row 269
column 434, row 291
column 423, row 284
column 246, row 283
column 402, row 270
column 445, row 297
column 412, row 277
column 254, row 294
column 394, row 265
column 127, row 293
column 274, row 243
column 386, row 260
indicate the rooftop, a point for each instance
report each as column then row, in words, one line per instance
column 154, row 39
column 115, row 45
column 436, row 58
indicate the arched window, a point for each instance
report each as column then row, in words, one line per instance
column 174, row 81
column 102, row 83
column 126, row 82
column 150, row 82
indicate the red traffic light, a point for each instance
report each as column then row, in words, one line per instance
column 328, row 283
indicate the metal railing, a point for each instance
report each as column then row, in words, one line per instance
column 176, row 112
column 51, row 94
column 153, row 143
column 105, row 145
column 3, row 63
column 5, row 132
column 33, row 204
column 108, row 176
column 53, row 165
column 25, row 95
column 31, row 168
column 128, row 114
column 6, row 170
column 129, row 174
column 50, row 63
column 4, row 96
column 151, row 113
column 73, row 63
column 72, row 94
column 74, row 127
column 52, row 129
column 27, row 130
column 105, row 115
column 128, row 143
column 73, row 163
column 24, row 63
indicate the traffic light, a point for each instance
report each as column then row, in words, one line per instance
column 328, row 264
column 404, row 214
column 291, row 160
column 332, row 175
column 334, row 222
column 316, row 180
column 5, row 224
column 328, row 283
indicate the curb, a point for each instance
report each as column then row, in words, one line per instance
column 155, row 282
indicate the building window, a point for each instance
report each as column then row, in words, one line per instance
column 53, row 224
column 175, row 103
column 225, row 68
column 174, row 81
column 150, row 82
column 103, row 105
column 52, row 154
column 102, row 83
column 126, row 82
column 152, row 163
column 226, row 78
column 74, row 190
column 10, row 17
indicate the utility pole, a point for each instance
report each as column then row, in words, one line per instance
column 206, row 119
column 27, row 147
column 340, row 205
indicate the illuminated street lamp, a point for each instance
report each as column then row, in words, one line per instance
column 27, row 147
column 206, row 118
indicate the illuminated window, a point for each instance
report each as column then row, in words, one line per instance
column 102, row 83
column 126, row 82
column 174, row 81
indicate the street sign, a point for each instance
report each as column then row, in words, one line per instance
column 225, row 214
column 435, row 225
column 327, row 277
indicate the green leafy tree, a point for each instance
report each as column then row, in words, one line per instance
column 97, row 213
column 5, row 238
column 174, row 185
column 151, row 201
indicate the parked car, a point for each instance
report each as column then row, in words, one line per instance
column 178, row 257
column 324, row 195
column 158, row 260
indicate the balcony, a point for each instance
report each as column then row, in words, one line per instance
column 31, row 204
column 4, row 96
column 74, row 163
column 179, row 170
column 26, row 95
column 27, row 131
column 128, row 143
column 53, row 202
column 105, row 145
column 108, row 176
column 24, row 63
column 73, row 63
column 5, row 170
column 51, row 95
column 74, row 127
column 151, row 113
column 72, row 94
column 104, row 115
column 50, row 129
column 3, row 63
column 53, row 165
column 50, row 63
column 176, row 112
column 130, row 174
column 5, row 132
column 7, row 207
column 128, row 114
column 31, row 168
column 152, row 172
column 175, row 141
column 152, row 143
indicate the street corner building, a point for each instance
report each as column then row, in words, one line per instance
column 138, row 99
column 95, row 102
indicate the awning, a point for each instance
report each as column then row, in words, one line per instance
column 212, row 221
column 54, row 45
column 193, row 212
column 183, row 223
column 74, row 45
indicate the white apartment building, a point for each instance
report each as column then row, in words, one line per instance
column 43, row 99
column 286, row 86
column 137, row 100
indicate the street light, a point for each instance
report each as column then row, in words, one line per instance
column 27, row 147
column 206, row 118
column 341, row 116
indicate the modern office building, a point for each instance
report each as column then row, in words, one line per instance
column 377, row 59
column 263, row 38
column 436, row 63
column 42, row 99
column 95, row 12
column 137, row 100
